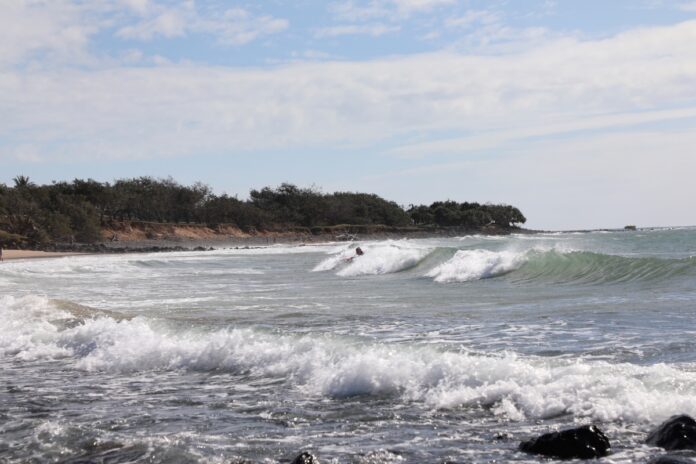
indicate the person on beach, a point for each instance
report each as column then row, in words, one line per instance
column 0, row 252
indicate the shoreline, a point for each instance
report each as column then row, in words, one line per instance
column 177, row 243
column 174, row 244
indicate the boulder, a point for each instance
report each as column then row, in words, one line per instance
column 305, row 458
column 676, row 433
column 583, row 442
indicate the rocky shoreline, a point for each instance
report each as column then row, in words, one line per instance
column 676, row 435
column 173, row 243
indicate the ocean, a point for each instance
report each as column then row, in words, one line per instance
column 430, row 350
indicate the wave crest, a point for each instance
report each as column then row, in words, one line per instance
column 468, row 265
column 377, row 260
column 506, row 384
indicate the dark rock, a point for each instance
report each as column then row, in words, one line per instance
column 305, row 458
column 667, row 459
column 676, row 433
column 583, row 442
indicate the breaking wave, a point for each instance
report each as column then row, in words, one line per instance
column 378, row 259
column 554, row 265
column 508, row 385
column 467, row 265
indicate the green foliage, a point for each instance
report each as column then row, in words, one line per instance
column 75, row 211
column 468, row 215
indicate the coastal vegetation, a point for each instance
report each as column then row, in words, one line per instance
column 79, row 210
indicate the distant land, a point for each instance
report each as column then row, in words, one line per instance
column 146, row 210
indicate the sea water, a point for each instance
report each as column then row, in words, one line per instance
column 434, row 350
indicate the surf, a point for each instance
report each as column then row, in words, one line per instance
column 379, row 259
column 508, row 385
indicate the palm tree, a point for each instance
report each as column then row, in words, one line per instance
column 22, row 181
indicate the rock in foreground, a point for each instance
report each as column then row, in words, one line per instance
column 676, row 433
column 305, row 458
column 583, row 442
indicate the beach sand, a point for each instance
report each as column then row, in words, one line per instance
column 26, row 254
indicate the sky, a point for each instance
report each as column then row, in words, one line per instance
column 582, row 113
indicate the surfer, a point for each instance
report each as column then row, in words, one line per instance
column 358, row 252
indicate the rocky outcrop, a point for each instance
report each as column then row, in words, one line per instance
column 676, row 433
column 305, row 458
column 584, row 442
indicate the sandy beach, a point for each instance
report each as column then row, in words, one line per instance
column 27, row 254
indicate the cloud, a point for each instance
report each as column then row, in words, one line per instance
column 412, row 6
column 687, row 6
column 166, row 24
column 238, row 26
column 61, row 32
column 233, row 26
column 401, row 104
column 473, row 17
column 521, row 133
column 592, row 180
column 393, row 10
column 376, row 17
column 374, row 30
column 57, row 28
column 140, row 7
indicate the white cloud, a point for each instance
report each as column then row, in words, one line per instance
column 409, row 6
column 374, row 30
column 58, row 28
column 594, row 180
column 516, row 104
column 350, row 11
column 596, row 90
column 356, row 11
column 166, row 24
column 521, row 133
column 687, row 6
column 238, row 26
column 473, row 17
column 234, row 26
column 140, row 7
column 48, row 32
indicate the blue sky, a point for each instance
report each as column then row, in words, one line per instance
column 582, row 113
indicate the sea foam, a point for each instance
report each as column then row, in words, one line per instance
column 378, row 259
column 508, row 385
column 468, row 265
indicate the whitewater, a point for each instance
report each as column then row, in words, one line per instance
column 427, row 350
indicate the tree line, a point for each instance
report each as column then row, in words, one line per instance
column 77, row 210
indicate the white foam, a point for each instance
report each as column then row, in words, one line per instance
column 379, row 258
column 468, row 265
column 510, row 386
column 26, row 331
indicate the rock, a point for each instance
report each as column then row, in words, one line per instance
column 676, row 433
column 583, row 442
column 667, row 459
column 305, row 458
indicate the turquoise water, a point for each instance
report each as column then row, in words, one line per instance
column 440, row 350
